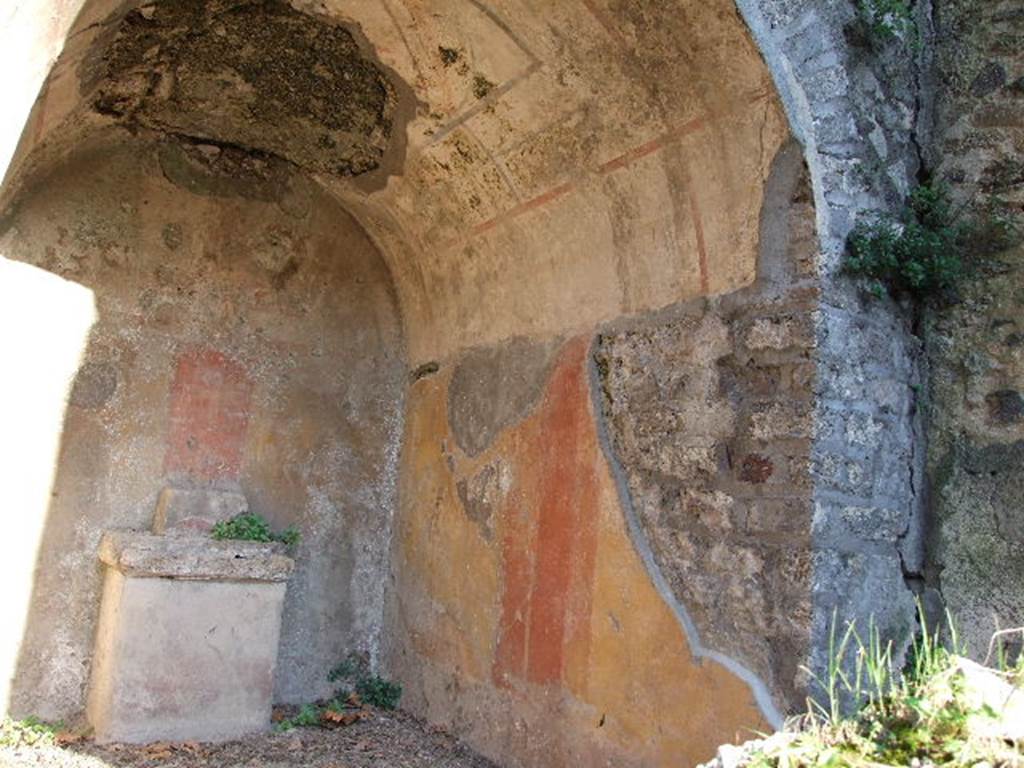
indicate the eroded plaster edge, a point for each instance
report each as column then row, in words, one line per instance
column 759, row 689
column 798, row 110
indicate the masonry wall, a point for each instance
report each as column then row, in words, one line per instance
column 857, row 105
column 523, row 616
column 709, row 409
column 246, row 337
column 636, row 378
column 976, row 414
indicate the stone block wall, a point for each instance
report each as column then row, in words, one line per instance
column 976, row 346
column 709, row 408
column 654, row 440
column 857, row 106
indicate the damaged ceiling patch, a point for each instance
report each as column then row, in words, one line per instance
column 200, row 70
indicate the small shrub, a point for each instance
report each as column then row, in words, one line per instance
column 29, row 732
column 354, row 671
column 289, row 537
column 926, row 251
column 379, row 692
column 308, row 716
column 250, row 527
column 359, row 688
column 888, row 20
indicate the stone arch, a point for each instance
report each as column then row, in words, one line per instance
column 600, row 236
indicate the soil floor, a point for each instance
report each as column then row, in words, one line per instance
column 384, row 740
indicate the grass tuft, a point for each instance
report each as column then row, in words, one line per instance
column 931, row 713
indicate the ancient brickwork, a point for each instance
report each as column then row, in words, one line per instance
column 523, row 614
column 976, row 347
column 855, row 104
column 653, row 438
column 710, row 412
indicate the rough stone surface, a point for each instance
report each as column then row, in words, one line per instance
column 980, row 533
column 524, row 617
column 861, row 107
column 183, row 660
column 140, row 555
column 976, row 415
column 710, row 414
column 979, row 115
column 975, row 458
column 199, row 70
column 615, row 176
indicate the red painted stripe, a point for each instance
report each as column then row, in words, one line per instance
column 625, row 159
column 529, row 205
column 517, row 571
column 631, row 156
column 564, row 467
column 702, row 251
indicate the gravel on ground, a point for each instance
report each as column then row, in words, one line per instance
column 383, row 740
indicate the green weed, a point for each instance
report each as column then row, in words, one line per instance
column 250, row 527
column 354, row 672
column 358, row 688
column 379, row 692
column 308, row 716
column 29, row 732
column 888, row 20
column 926, row 251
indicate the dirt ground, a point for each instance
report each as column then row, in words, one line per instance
column 385, row 740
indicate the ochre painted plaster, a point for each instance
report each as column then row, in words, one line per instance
column 554, row 615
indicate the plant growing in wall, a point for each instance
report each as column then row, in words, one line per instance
column 925, row 251
column 251, row 527
column 888, row 20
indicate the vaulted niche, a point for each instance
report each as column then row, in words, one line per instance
column 505, row 307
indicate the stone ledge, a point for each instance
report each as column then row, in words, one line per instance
column 148, row 555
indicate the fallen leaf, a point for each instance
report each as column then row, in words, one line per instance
column 344, row 718
column 66, row 738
